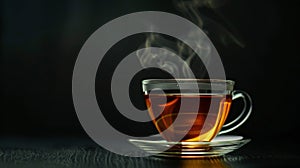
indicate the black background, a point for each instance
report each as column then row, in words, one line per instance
column 40, row 41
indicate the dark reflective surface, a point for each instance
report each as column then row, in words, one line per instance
column 57, row 152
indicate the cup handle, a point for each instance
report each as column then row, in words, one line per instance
column 244, row 114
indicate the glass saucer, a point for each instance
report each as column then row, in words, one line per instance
column 219, row 146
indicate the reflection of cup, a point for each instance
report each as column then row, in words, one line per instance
column 211, row 162
column 193, row 109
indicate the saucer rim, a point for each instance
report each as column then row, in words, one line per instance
column 219, row 142
column 218, row 148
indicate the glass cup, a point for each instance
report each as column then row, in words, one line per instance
column 193, row 110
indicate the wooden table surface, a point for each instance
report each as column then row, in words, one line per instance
column 76, row 152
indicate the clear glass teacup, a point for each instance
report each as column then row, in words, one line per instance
column 193, row 110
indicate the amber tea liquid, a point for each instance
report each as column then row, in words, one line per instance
column 207, row 123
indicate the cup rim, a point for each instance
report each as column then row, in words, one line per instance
column 187, row 80
column 219, row 85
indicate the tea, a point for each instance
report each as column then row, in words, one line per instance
column 210, row 110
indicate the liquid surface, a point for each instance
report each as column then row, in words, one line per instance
column 200, row 118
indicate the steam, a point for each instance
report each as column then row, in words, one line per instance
column 169, row 61
column 180, row 66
